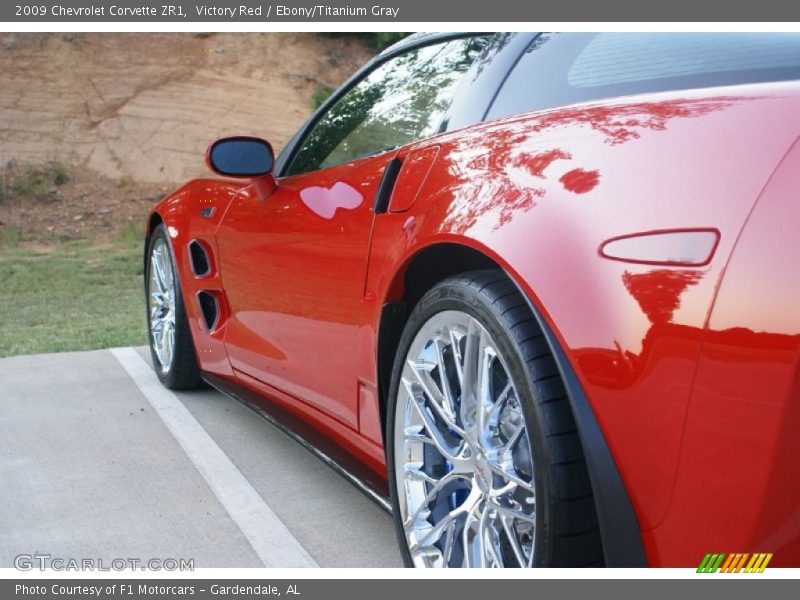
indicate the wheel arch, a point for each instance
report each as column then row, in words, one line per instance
column 417, row 274
column 153, row 221
column 619, row 526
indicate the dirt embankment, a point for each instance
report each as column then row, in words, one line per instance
column 129, row 115
column 145, row 106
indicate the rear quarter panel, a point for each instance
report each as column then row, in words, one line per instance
column 738, row 484
column 540, row 194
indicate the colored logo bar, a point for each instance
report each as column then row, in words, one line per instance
column 734, row 563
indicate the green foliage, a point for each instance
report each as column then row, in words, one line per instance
column 36, row 181
column 383, row 39
column 57, row 173
column 351, row 110
column 320, row 95
column 378, row 41
column 29, row 184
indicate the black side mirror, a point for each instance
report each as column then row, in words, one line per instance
column 241, row 157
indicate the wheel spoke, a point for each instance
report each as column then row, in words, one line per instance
column 167, row 270
column 447, row 391
column 158, row 267
column 511, row 536
column 512, row 477
column 476, row 397
column 484, row 397
column 157, row 343
column 434, row 491
column 483, row 534
column 156, row 288
column 455, row 345
column 447, row 552
column 472, row 540
column 515, row 436
column 470, row 360
column 498, row 405
column 414, row 470
column 435, row 532
column 471, row 383
column 514, row 513
column 437, row 401
column 415, row 434
column 166, row 343
column 492, row 534
column 158, row 325
column 155, row 282
column 430, row 424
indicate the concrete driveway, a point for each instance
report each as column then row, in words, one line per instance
column 97, row 460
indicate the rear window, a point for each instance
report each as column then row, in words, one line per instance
column 564, row 68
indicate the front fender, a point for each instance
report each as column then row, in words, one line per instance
column 193, row 213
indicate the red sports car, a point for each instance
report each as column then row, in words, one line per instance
column 540, row 290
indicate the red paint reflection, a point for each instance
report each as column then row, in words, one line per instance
column 658, row 292
column 494, row 169
column 621, row 124
column 537, row 163
column 580, row 181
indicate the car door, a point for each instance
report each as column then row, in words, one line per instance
column 294, row 265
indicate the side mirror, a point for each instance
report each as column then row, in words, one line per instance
column 241, row 157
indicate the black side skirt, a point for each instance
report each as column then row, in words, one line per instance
column 362, row 477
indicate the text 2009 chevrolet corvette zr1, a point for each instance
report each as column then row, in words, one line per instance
column 546, row 284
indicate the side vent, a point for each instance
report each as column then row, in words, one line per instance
column 386, row 186
column 210, row 309
column 200, row 263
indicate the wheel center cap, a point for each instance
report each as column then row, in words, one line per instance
column 483, row 473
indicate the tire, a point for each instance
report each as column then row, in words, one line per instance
column 543, row 464
column 175, row 362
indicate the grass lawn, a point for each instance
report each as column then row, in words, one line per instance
column 71, row 296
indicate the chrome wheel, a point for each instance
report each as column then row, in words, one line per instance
column 463, row 462
column 161, row 304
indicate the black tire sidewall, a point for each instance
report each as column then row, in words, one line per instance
column 458, row 296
